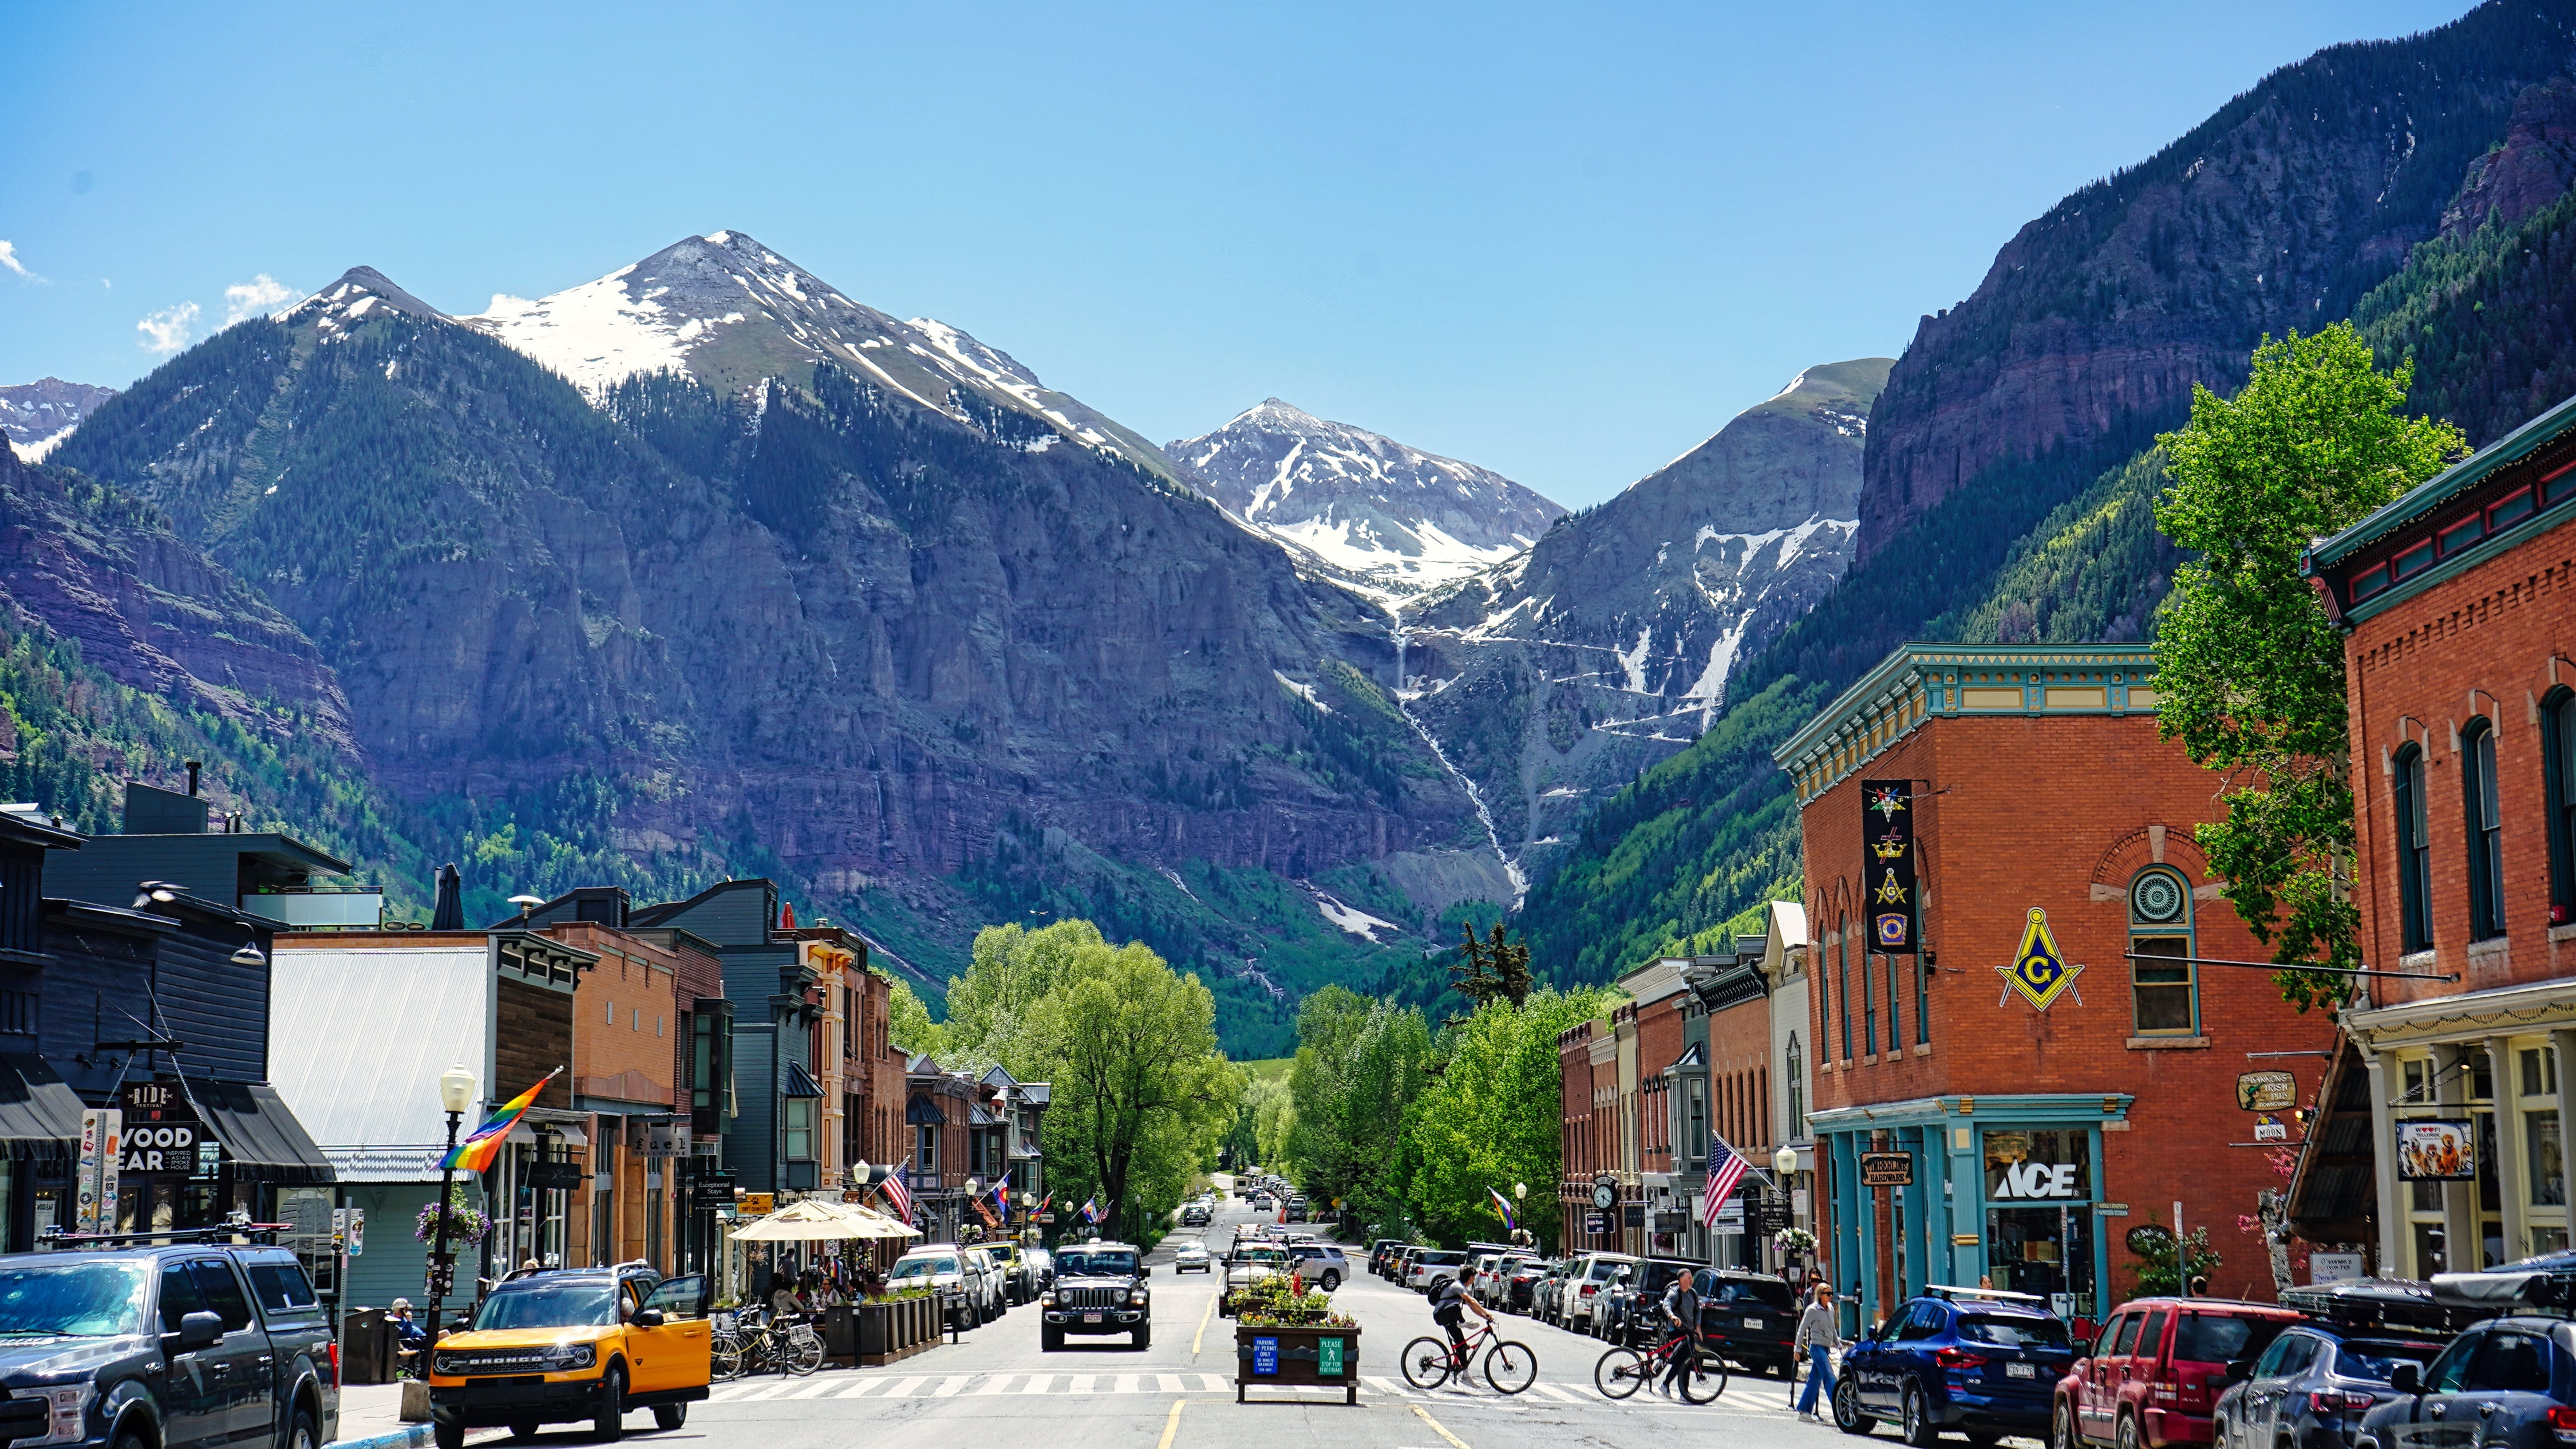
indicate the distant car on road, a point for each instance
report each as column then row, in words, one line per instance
column 1432, row 1265
column 1247, row 1264
column 1192, row 1257
column 1320, row 1263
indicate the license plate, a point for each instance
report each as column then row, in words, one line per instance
column 2021, row 1371
column 1753, row 1323
column 1091, row 1318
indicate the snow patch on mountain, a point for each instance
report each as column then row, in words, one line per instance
column 1397, row 519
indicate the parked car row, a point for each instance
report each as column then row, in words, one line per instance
column 985, row 1282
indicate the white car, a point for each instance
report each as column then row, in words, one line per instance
column 1433, row 1264
column 1319, row 1263
column 1192, row 1257
column 947, row 1268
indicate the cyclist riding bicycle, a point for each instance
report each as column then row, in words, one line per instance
column 1681, row 1316
column 1449, row 1306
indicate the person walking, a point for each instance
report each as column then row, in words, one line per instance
column 1681, row 1316
column 1820, row 1330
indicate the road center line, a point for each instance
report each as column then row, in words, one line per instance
column 1172, row 1424
column 1204, row 1315
column 1436, row 1427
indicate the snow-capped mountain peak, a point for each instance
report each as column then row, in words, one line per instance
column 1395, row 516
column 730, row 312
column 35, row 416
column 360, row 292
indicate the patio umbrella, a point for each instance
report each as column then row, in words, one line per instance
column 449, row 913
column 810, row 1222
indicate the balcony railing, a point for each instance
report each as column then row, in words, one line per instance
column 319, row 909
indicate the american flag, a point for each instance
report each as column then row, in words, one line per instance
column 1726, row 1168
column 897, row 1194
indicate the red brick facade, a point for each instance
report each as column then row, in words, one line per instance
column 2038, row 785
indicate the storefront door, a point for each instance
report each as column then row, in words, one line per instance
column 2039, row 1216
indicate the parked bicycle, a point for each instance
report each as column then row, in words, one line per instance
column 1509, row 1366
column 747, row 1344
column 1623, row 1371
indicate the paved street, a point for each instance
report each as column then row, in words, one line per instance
column 1179, row 1394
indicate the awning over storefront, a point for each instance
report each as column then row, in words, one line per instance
column 262, row 1140
column 2332, row 1189
column 800, row 1082
column 40, row 1117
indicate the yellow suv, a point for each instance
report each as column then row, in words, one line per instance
column 574, row 1344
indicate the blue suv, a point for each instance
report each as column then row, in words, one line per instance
column 1975, row 1361
column 2507, row 1382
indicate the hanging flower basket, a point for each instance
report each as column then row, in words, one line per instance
column 1794, row 1240
column 465, row 1223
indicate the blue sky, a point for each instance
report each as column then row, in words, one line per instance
column 1565, row 242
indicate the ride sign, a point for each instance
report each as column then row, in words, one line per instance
column 162, row 1133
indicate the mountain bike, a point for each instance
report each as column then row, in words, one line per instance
column 745, row 1345
column 1623, row 1371
column 1509, row 1366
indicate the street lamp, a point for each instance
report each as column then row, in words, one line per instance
column 1785, row 1161
column 455, row 1094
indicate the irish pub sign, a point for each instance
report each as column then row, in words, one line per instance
column 1887, row 836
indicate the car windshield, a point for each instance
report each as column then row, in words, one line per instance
column 2211, row 1338
column 1443, row 1260
column 2014, row 1331
column 1259, row 1255
column 74, row 1300
column 921, row 1268
column 2376, row 1361
column 549, row 1305
column 1096, row 1263
column 1760, row 1292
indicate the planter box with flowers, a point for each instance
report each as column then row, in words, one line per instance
column 1285, row 1338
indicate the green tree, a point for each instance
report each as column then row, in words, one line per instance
column 1491, row 1119
column 908, row 1023
column 1360, row 1063
column 1274, row 1118
column 1012, row 970
column 1141, row 1094
column 1494, row 969
column 2250, row 670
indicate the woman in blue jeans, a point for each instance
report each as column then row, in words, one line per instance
column 1819, row 1330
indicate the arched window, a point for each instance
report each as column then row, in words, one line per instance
column 2163, row 986
column 2414, row 851
column 1842, row 978
column 2485, row 830
column 1797, row 1088
column 1824, row 998
column 2558, row 782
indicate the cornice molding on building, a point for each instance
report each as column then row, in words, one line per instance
column 1918, row 682
column 2523, row 1007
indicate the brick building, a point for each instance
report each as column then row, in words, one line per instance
column 2033, row 1088
column 2460, row 647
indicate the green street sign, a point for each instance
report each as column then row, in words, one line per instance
column 1328, row 1358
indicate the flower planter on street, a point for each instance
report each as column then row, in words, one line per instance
column 1289, row 1357
column 896, row 1329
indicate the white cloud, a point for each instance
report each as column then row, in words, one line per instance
column 166, row 331
column 257, row 297
column 9, row 259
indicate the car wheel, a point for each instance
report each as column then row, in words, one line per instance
column 612, row 1406
column 670, row 1416
column 1330, row 1281
column 2128, row 1431
column 2061, row 1427
column 1143, row 1338
column 1917, row 1428
column 1847, row 1413
column 442, row 1433
column 300, row 1433
column 524, row 1429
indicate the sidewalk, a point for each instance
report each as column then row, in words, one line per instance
column 371, row 1418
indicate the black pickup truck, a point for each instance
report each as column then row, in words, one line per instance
column 178, row 1345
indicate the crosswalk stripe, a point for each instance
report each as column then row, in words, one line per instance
column 1213, row 1384
column 993, row 1384
column 903, row 1388
column 730, row 1392
column 949, row 1389
column 863, row 1386
column 1037, row 1383
column 1382, row 1385
column 1553, row 1392
column 813, row 1390
column 1081, row 1384
column 1125, row 1384
column 764, row 1391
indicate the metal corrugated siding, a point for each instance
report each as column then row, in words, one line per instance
column 358, row 1037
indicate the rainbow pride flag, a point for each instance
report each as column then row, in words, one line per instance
column 475, row 1153
column 1503, row 1207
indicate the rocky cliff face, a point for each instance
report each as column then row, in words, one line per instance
column 819, row 625
column 1397, row 519
column 2530, row 168
column 1552, row 679
column 152, row 612
column 2280, row 211
column 35, row 416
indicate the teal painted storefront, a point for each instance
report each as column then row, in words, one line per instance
column 1938, row 1229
